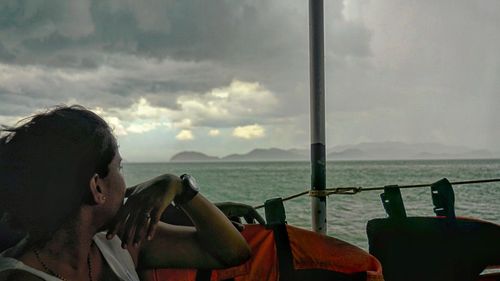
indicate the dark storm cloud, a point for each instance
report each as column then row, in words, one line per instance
column 247, row 40
column 37, row 31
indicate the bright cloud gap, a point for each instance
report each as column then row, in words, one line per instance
column 195, row 111
column 249, row 132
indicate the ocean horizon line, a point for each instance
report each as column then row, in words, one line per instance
column 302, row 161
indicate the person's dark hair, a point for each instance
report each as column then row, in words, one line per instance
column 46, row 164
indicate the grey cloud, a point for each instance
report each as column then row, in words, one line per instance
column 248, row 40
column 349, row 39
column 188, row 30
column 5, row 55
column 404, row 58
column 26, row 101
column 120, row 84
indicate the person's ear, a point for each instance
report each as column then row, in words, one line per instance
column 96, row 190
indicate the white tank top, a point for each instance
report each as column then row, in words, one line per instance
column 118, row 259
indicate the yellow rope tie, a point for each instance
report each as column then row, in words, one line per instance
column 318, row 193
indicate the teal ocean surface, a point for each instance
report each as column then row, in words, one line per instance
column 254, row 182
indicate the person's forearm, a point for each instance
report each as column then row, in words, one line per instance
column 215, row 233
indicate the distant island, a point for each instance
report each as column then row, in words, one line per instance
column 362, row 151
column 192, row 156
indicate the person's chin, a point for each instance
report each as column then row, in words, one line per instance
column 106, row 226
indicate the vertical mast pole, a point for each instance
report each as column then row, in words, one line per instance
column 317, row 96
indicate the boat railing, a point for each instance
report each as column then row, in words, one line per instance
column 351, row 190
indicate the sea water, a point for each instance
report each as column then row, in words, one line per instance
column 253, row 183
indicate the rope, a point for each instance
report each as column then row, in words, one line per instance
column 351, row 190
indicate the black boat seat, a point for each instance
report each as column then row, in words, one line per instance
column 433, row 248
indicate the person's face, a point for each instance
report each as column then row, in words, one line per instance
column 115, row 183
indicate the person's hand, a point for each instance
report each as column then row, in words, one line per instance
column 138, row 217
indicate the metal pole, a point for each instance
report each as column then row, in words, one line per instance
column 317, row 92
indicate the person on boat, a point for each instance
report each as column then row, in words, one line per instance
column 61, row 184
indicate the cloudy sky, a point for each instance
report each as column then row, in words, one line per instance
column 228, row 76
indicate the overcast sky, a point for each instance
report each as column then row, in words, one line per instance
column 228, row 76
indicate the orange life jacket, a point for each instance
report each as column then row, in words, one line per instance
column 285, row 252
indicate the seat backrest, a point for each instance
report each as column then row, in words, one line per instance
column 433, row 248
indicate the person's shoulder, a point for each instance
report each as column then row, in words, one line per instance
column 18, row 275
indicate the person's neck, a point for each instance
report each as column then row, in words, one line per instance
column 67, row 253
column 70, row 246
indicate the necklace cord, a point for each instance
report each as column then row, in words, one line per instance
column 52, row 272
